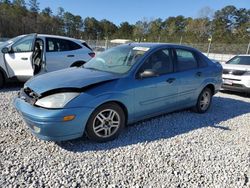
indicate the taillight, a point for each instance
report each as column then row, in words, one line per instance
column 92, row 54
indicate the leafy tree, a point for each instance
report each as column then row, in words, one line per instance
column 92, row 29
column 19, row 3
column 228, row 25
column 59, row 22
column 198, row 30
column 141, row 29
column 125, row 31
column 60, row 12
column 34, row 6
column 108, row 29
column 155, row 30
column 224, row 23
column 174, row 28
column 73, row 25
column 47, row 12
column 68, row 23
column 5, row 2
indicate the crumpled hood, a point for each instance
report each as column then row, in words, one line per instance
column 236, row 67
column 68, row 78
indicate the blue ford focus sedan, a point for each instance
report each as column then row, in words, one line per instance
column 120, row 86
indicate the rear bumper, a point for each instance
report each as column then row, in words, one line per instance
column 48, row 124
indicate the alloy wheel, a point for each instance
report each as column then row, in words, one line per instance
column 106, row 123
column 205, row 100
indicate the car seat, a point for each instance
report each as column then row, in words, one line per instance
column 37, row 59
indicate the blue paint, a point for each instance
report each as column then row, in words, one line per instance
column 142, row 98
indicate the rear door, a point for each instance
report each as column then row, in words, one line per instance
column 19, row 59
column 60, row 53
column 189, row 74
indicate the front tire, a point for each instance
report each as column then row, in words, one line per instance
column 204, row 101
column 105, row 123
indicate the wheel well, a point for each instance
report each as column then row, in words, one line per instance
column 125, row 110
column 211, row 86
column 2, row 72
column 77, row 64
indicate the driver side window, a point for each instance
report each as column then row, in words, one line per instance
column 23, row 45
column 160, row 62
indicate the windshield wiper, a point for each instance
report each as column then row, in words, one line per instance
column 110, row 66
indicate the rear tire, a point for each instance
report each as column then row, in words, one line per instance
column 1, row 80
column 105, row 123
column 204, row 101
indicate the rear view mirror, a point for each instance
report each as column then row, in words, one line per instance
column 148, row 73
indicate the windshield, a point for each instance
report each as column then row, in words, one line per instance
column 117, row 60
column 10, row 41
column 239, row 60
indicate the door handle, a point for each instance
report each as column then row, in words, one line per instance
column 70, row 55
column 199, row 74
column 170, row 80
column 24, row 58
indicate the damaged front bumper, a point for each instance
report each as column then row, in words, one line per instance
column 49, row 124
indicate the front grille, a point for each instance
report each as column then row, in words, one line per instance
column 234, row 72
column 28, row 95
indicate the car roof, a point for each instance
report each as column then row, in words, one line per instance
column 159, row 45
column 61, row 37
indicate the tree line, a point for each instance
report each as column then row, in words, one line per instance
column 227, row 25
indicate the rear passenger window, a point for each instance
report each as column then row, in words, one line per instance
column 60, row 45
column 185, row 60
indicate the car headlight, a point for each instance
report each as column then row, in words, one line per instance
column 58, row 100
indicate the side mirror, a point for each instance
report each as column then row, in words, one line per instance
column 6, row 50
column 148, row 73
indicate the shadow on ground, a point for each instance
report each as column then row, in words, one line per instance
column 11, row 87
column 241, row 94
column 167, row 126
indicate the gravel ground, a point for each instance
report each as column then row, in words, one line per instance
column 181, row 149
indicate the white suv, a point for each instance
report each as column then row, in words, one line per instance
column 27, row 55
column 236, row 74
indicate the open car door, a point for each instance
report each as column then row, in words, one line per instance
column 39, row 62
column 19, row 59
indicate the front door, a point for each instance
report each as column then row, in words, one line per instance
column 158, row 94
column 19, row 59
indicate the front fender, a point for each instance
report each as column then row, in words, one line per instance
column 91, row 101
